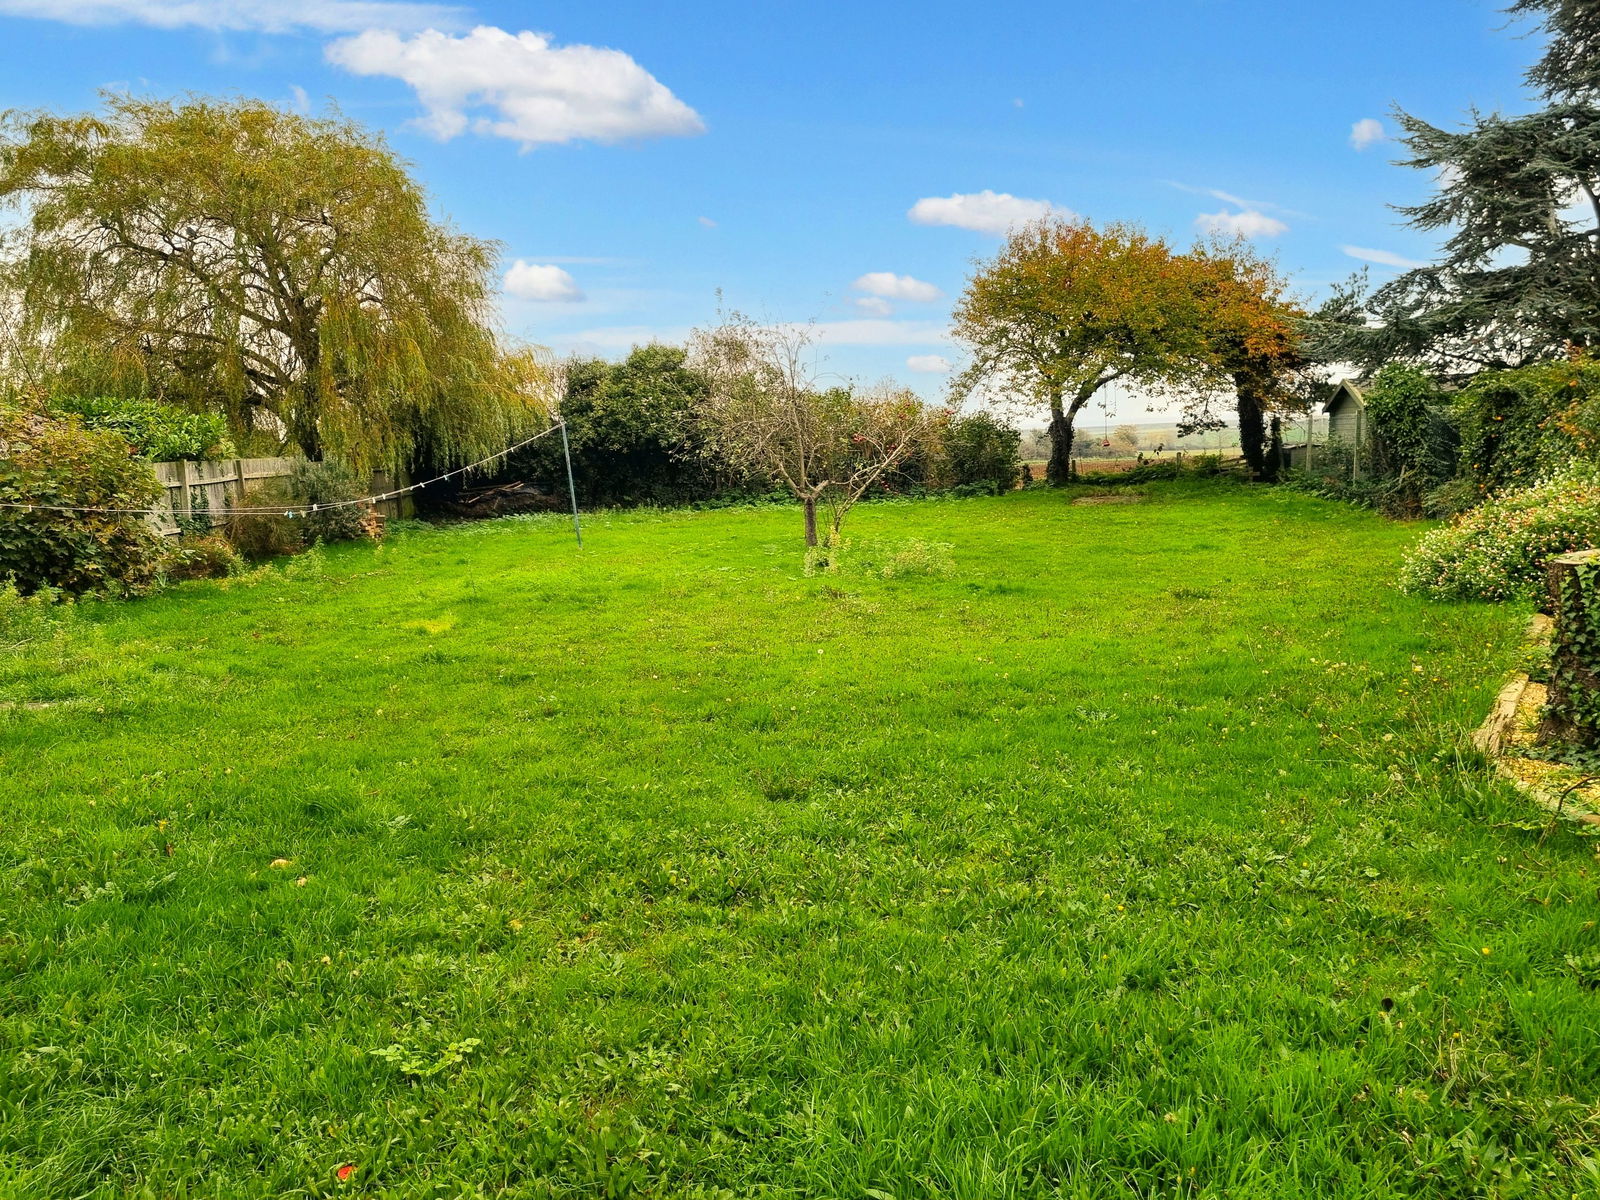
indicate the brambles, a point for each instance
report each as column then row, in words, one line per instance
column 200, row 556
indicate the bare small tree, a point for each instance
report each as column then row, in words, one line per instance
column 764, row 412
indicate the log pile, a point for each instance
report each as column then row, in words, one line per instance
column 501, row 500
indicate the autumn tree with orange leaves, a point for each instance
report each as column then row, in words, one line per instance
column 1066, row 308
column 1252, row 341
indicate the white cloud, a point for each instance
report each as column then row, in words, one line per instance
column 262, row 16
column 1236, row 201
column 890, row 286
column 1367, row 132
column 299, row 98
column 535, row 281
column 1384, row 258
column 929, row 364
column 707, row 222
column 1251, row 224
column 984, row 212
column 867, row 332
column 874, row 306
column 520, row 86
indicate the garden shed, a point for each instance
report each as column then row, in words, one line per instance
column 1346, row 410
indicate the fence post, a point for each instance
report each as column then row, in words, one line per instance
column 185, row 499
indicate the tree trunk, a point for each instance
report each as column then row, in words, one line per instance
column 1274, row 452
column 1572, row 711
column 810, row 505
column 1252, row 426
column 1059, row 472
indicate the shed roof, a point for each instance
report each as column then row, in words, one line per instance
column 1346, row 389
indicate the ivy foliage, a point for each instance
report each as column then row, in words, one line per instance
column 1411, row 436
column 53, row 461
column 1574, row 699
column 1522, row 426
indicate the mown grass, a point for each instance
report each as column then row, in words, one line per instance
column 1135, row 857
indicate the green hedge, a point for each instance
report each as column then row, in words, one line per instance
column 156, row 431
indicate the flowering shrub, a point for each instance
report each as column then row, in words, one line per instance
column 1498, row 550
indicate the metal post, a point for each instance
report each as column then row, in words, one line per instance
column 572, row 488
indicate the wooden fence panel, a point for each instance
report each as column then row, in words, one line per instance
column 208, row 486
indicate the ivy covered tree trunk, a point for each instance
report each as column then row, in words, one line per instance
column 1252, row 426
column 1572, row 715
column 1059, row 471
column 1274, row 452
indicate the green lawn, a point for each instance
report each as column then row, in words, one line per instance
column 1136, row 857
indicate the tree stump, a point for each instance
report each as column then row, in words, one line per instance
column 1572, row 716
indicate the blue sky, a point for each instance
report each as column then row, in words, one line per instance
column 636, row 157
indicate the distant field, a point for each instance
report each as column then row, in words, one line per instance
column 1135, row 857
column 1103, row 466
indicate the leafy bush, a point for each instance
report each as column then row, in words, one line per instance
column 270, row 534
column 51, row 461
column 632, row 432
column 972, row 455
column 1498, row 550
column 1450, row 499
column 1413, row 443
column 204, row 556
column 331, row 483
column 156, row 431
column 1202, row 466
column 1151, row 472
column 261, row 535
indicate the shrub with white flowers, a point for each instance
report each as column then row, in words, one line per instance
column 1497, row 551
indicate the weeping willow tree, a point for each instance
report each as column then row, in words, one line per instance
column 282, row 269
